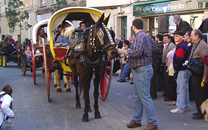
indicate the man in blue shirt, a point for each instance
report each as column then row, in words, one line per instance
column 140, row 62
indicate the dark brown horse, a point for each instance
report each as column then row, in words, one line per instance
column 95, row 47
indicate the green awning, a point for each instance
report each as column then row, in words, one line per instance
column 149, row 2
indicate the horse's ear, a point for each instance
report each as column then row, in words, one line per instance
column 99, row 22
column 106, row 20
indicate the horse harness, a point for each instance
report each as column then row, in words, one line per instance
column 78, row 50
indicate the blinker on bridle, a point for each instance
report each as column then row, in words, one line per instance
column 100, row 35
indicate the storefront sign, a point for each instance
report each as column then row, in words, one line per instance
column 169, row 6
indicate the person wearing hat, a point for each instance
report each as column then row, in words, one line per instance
column 181, row 25
column 180, row 56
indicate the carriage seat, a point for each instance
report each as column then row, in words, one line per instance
column 38, row 54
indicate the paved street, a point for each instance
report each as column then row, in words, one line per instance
column 34, row 112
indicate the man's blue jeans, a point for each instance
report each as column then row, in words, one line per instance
column 182, row 101
column 142, row 100
column 125, row 71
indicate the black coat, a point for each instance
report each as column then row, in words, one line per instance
column 204, row 26
column 183, row 26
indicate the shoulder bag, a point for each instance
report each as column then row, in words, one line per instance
column 194, row 65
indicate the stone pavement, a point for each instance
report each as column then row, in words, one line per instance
column 34, row 112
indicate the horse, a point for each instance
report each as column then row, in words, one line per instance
column 88, row 62
column 58, row 75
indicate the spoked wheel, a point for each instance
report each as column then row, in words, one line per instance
column 19, row 61
column 106, row 79
column 1, row 60
column 47, row 78
column 4, row 61
column 33, row 64
column 47, row 71
column 23, row 68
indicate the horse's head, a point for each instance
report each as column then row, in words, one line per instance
column 100, row 38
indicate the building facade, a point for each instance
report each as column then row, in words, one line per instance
column 38, row 10
column 31, row 7
column 121, row 15
column 156, row 14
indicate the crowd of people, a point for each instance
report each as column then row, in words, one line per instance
column 160, row 64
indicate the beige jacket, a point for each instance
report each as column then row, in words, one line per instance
column 202, row 49
column 167, row 49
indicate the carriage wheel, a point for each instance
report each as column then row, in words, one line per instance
column 23, row 68
column 47, row 72
column 19, row 61
column 47, row 78
column 1, row 59
column 106, row 79
column 34, row 71
column 4, row 61
column 33, row 64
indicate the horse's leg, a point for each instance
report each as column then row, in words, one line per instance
column 86, row 86
column 58, row 80
column 66, row 81
column 78, row 104
column 55, row 80
column 43, row 72
column 96, row 94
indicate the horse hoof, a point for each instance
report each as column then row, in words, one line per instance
column 64, row 85
column 68, row 90
column 90, row 110
column 97, row 115
column 54, row 85
column 78, row 105
column 58, row 90
column 85, row 119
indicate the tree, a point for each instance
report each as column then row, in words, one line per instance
column 59, row 5
column 16, row 16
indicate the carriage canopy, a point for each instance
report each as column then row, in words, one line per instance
column 88, row 15
column 35, row 29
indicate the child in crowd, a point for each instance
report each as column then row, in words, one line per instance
column 28, row 54
column 5, row 101
column 62, row 41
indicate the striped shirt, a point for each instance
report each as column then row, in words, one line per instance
column 140, row 51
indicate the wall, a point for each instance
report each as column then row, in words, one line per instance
column 115, row 19
column 103, row 3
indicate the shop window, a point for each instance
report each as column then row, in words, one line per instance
column 206, row 4
column 18, row 37
column 2, row 37
column 163, row 23
column 43, row 3
column 200, row 5
column 53, row 1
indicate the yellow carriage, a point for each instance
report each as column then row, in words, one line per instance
column 75, row 15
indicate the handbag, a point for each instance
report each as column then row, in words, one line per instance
column 194, row 65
